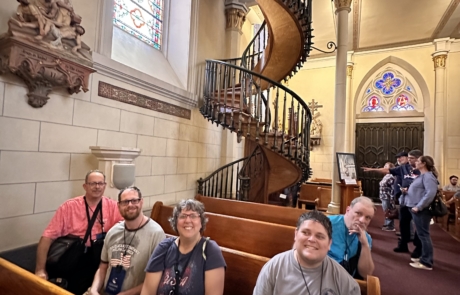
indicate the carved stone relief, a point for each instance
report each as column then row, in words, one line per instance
column 43, row 47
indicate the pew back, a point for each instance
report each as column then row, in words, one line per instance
column 15, row 280
column 251, row 236
column 257, row 211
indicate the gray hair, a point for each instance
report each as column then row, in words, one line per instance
column 364, row 200
column 416, row 153
column 190, row 204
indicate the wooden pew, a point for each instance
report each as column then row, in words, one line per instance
column 371, row 286
column 15, row 280
column 257, row 211
column 247, row 235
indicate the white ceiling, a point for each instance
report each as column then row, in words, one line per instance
column 375, row 24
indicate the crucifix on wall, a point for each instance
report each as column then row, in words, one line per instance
column 316, row 125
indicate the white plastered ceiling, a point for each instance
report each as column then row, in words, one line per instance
column 376, row 24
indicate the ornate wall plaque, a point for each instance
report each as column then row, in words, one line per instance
column 43, row 47
column 119, row 94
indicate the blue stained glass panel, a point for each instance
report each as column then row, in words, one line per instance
column 141, row 18
column 388, row 83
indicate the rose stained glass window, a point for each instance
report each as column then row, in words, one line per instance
column 373, row 105
column 388, row 83
column 141, row 18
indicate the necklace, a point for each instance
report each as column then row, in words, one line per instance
column 135, row 231
column 305, row 281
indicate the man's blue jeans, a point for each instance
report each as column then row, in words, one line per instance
column 422, row 224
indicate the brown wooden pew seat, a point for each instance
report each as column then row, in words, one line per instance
column 15, row 280
column 257, row 211
column 247, row 235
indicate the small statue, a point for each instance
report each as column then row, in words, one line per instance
column 316, row 126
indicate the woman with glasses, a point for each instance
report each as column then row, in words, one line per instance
column 194, row 262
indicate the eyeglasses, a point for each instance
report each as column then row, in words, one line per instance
column 126, row 202
column 94, row 184
column 192, row 216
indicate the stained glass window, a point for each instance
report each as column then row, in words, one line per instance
column 388, row 83
column 402, row 104
column 141, row 18
column 389, row 91
column 373, row 105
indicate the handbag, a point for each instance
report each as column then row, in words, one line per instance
column 65, row 252
column 392, row 213
column 437, row 207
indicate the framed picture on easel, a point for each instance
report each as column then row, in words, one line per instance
column 347, row 167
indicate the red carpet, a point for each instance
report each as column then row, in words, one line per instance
column 397, row 277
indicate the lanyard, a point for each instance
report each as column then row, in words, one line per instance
column 95, row 213
column 124, row 236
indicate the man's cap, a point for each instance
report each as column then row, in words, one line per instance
column 401, row 154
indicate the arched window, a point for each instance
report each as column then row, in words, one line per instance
column 140, row 18
column 389, row 91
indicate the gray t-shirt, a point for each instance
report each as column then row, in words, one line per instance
column 282, row 276
column 138, row 244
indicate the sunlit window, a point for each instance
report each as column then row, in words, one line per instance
column 389, row 91
column 141, row 18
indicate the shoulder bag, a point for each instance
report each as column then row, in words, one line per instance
column 65, row 252
column 437, row 207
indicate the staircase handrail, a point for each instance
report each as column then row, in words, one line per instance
column 272, row 82
column 246, row 53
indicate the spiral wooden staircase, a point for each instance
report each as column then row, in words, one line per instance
column 245, row 95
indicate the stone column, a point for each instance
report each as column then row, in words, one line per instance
column 235, row 15
column 349, row 134
column 107, row 157
column 342, row 11
column 442, row 48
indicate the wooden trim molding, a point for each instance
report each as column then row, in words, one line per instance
column 122, row 95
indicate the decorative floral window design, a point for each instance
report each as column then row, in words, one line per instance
column 141, row 18
column 389, row 91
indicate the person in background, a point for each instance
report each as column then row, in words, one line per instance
column 189, row 264
column 306, row 269
column 452, row 186
column 418, row 199
column 387, row 196
column 127, row 248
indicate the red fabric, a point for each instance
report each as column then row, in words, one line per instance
column 70, row 218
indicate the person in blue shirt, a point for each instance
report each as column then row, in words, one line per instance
column 351, row 244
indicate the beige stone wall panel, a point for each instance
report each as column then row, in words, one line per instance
column 175, row 183
column 96, row 116
column 17, row 199
column 166, row 129
column 69, row 139
column 143, row 166
column 187, row 165
column 116, row 139
column 151, row 185
column 19, row 135
column 50, row 195
column 152, row 146
column 58, row 109
column 80, row 164
column 164, row 165
column 176, row 148
column 22, row 167
column 136, row 123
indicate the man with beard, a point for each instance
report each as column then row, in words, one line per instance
column 127, row 248
column 306, row 269
column 351, row 244
column 72, row 218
